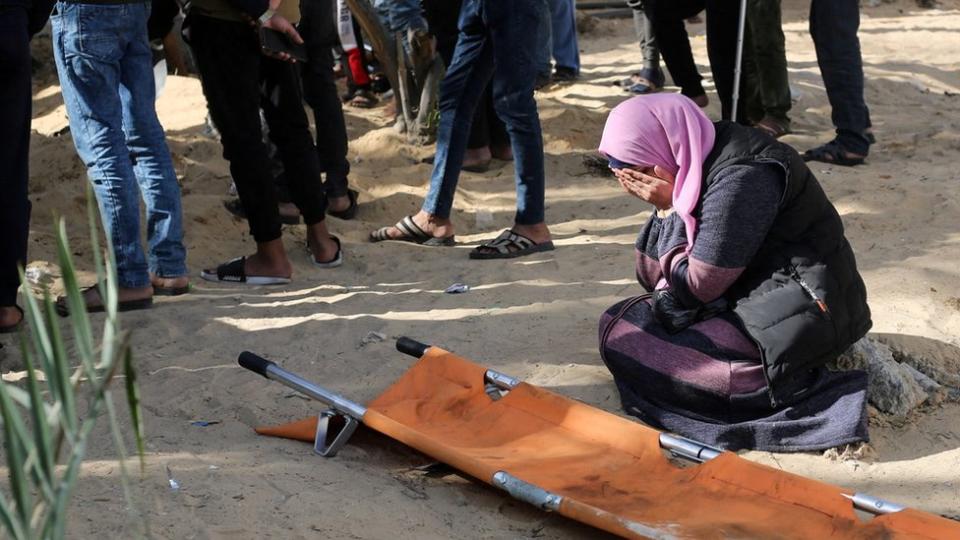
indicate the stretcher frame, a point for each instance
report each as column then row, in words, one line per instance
column 337, row 423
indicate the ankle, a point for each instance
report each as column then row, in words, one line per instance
column 10, row 316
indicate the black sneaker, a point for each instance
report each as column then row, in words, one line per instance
column 565, row 74
column 542, row 80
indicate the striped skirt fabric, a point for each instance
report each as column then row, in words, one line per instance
column 706, row 382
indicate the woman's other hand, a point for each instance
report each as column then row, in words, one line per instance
column 654, row 185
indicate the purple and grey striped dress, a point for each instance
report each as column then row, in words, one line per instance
column 706, row 380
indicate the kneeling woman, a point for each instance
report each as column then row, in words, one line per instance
column 752, row 287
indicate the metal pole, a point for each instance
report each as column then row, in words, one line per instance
column 274, row 372
column 739, row 60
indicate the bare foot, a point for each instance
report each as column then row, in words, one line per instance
column 289, row 211
column 539, row 232
column 10, row 316
column 321, row 245
column 93, row 300
column 169, row 282
column 476, row 158
column 259, row 264
column 432, row 225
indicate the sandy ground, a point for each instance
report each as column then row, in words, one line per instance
column 534, row 318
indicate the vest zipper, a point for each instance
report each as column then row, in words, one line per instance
column 795, row 274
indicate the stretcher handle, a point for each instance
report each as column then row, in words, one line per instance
column 411, row 346
column 254, row 363
column 274, row 372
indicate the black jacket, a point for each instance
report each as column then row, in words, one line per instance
column 801, row 298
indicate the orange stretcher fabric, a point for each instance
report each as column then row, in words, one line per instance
column 610, row 471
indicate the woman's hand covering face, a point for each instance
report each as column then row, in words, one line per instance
column 652, row 184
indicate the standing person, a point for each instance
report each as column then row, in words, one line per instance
column 19, row 20
column 318, row 30
column 488, row 135
column 238, row 80
column 495, row 42
column 359, row 93
column 666, row 21
column 563, row 40
column 722, row 23
column 106, row 76
column 833, row 26
column 765, row 69
column 650, row 78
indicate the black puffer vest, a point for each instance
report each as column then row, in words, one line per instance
column 801, row 298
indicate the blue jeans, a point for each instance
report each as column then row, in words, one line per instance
column 563, row 34
column 495, row 41
column 106, row 75
column 557, row 36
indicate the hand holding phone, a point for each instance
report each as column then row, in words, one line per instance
column 279, row 39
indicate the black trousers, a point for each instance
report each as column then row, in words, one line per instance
column 317, row 27
column 487, row 129
column 722, row 22
column 15, row 108
column 833, row 26
column 237, row 82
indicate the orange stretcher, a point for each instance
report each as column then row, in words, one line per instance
column 589, row 465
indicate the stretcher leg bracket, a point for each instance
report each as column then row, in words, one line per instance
column 334, row 430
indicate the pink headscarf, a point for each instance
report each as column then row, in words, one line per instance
column 668, row 130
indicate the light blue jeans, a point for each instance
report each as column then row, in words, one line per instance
column 106, row 76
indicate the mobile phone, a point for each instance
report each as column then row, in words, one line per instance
column 273, row 42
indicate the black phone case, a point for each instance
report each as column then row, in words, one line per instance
column 272, row 41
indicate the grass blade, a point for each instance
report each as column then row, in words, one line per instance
column 80, row 323
column 41, row 429
column 64, row 393
column 14, row 437
column 133, row 402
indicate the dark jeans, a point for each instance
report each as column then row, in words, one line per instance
column 237, row 82
column 320, row 92
column 495, row 43
column 722, row 23
column 487, row 128
column 15, row 101
column 765, row 68
column 647, row 39
column 833, row 26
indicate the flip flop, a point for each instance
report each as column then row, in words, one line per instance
column 14, row 328
column 63, row 308
column 171, row 291
column 772, row 127
column 833, row 153
column 412, row 233
column 351, row 211
column 234, row 271
column 510, row 245
column 333, row 263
